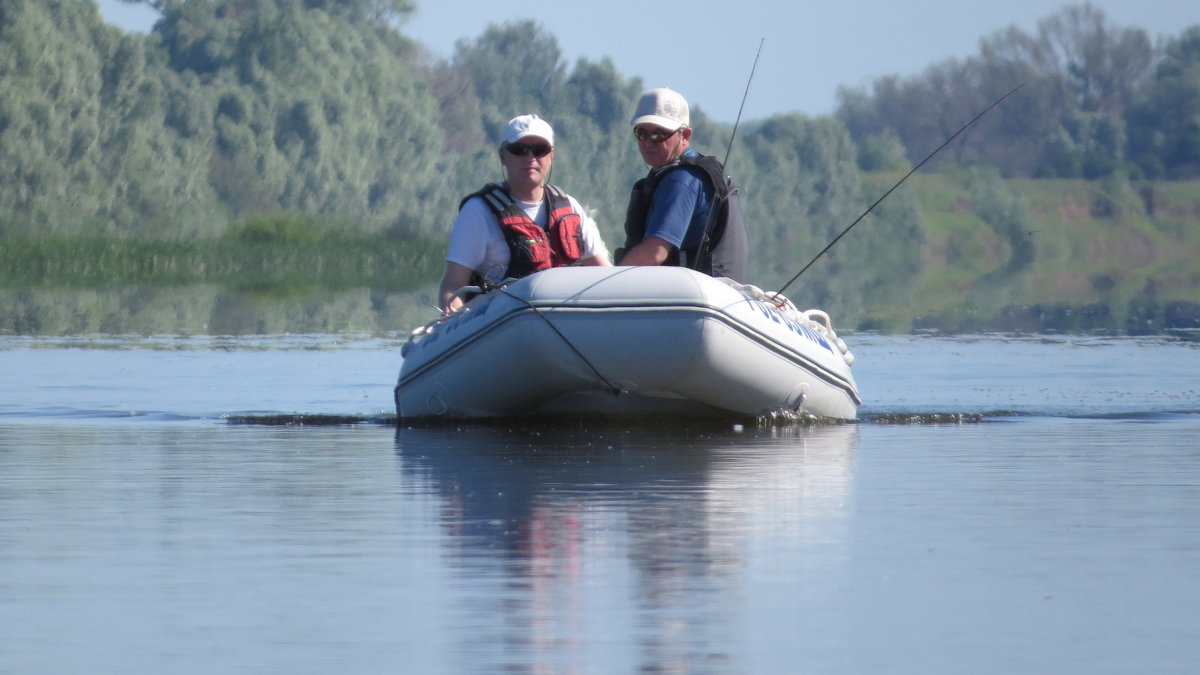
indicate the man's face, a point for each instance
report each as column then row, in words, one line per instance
column 659, row 146
column 527, row 162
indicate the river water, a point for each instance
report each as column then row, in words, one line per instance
column 146, row 527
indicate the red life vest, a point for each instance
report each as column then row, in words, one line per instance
column 533, row 248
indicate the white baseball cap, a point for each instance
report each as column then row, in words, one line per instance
column 523, row 126
column 662, row 107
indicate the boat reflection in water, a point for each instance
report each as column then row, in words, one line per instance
column 635, row 547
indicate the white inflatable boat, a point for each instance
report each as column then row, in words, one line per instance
column 626, row 340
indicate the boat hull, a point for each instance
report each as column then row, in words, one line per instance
column 623, row 340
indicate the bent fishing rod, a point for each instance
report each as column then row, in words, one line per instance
column 893, row 188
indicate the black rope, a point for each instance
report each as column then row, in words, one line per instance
column 617, row 390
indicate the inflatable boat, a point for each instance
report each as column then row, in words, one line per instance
column 626, row 340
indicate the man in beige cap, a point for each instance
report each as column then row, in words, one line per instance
column 686, row 211
column 521, row 226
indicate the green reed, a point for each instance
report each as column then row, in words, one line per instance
column 326, row 261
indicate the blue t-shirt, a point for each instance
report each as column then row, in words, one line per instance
column 679, row 210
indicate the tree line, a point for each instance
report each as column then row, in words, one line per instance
column 230, row 109
column 1098, row 100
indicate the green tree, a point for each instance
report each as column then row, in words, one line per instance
column 1080, row 74
column 800, row 189
column 311, row 114
column 380, row 11
column 515, row 68
column 1165, row 125
column 82, row 136
column 375, row 11
column 598, row 159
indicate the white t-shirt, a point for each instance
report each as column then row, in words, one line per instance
column 477, row 242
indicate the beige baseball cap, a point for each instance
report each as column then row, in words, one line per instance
column 662, row 107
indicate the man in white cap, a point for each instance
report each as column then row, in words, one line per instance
column 521, row 226
column 686, row 211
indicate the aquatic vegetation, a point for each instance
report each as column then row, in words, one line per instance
column 250, row 258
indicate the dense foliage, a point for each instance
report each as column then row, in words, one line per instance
column 1098, row 100
column 235, row 113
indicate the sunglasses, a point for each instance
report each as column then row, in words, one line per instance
column 654, row 136
column 520, row 149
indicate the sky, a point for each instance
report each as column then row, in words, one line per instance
column 706, row 49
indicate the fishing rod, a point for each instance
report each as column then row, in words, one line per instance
column 701, row 251
column 742, row 107
column 890, row 190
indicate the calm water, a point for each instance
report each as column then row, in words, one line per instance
column 141, row 531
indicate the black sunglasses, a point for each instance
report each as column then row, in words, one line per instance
column 520, row 149
column 654, row 136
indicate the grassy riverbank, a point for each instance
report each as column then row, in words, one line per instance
column 1053, row 255
column 270, row 275
column 1023, row 255
column 278, row 251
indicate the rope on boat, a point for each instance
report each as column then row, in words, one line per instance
column 467, row 292
column 617, row 390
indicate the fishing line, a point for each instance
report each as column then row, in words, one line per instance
column 890, row 190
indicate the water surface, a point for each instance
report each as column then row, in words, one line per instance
column 140, row 531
